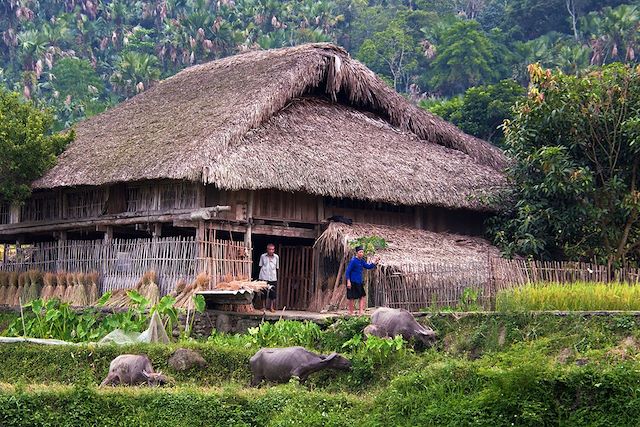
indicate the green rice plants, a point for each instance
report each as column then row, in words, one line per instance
column 579, row 296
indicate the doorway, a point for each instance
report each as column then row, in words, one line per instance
column 295, row 276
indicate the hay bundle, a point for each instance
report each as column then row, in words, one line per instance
column 236, row 285
column 148, row 288
column 4, row 286
column 61, row 286
column 79, row 295
column 12, row 289
column 19, row 296
column 185, row 298
column 69, row 291
column 92, row 292
column 33, row 286
column 119, row 299
column 48, row 289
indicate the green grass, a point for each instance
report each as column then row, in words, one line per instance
column 498, row 369
column 580, row 296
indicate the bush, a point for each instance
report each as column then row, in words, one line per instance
column 81, row 406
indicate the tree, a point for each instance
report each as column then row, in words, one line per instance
column 482, row 109
column 392, row 53
column 466, row 57
column 27, row 147
column 613, row 34
column 575, row 143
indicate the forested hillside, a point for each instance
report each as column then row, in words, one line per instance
column 80, row 56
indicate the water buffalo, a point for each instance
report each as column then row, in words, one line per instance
column 281, row 364
column 132, row 369
column 389, row 322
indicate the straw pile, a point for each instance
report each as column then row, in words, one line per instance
column 92, row 289
column 49, row 289
column 32, row 286
column 12, row 288
column 22, row 277
column 119, row 298
column 78, row 289
column 147, row 287
column 184, row 293
column 61, row 286
column 4, row 286
column 227, row 284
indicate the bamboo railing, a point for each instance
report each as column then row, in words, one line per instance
column 122, row 262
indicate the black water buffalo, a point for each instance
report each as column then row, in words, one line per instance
column 281, row 364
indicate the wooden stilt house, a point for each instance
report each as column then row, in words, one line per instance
column 204, row 169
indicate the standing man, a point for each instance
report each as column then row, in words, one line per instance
column 269, row 266
column 355, row 288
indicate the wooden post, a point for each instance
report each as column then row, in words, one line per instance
column 14, row 213
column 62, row 240
column 321, row 214
column 64, row 202
column 157, row 230
column 108, row 234
column 247, row 234
column 418, row 214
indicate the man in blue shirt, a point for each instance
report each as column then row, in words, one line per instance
column 355, row 288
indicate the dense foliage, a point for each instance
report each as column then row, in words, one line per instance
column 27, row 147
column 575, row 142
column 56, row 320
column 481, row 110
column 80, row 57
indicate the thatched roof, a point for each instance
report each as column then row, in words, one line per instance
column 406, row 246
column 206, row 122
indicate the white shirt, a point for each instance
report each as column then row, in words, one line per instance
column 269, row 266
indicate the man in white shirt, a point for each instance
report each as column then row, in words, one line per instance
column 269, row 265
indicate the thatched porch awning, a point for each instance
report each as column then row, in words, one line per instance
column 408, row 246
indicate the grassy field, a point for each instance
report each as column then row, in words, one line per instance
column 487, row 369
column 580, row 296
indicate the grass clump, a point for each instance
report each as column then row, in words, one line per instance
column 579, row 296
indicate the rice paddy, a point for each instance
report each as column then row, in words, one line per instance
column 578, row 296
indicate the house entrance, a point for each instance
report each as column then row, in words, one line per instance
column 295, row 277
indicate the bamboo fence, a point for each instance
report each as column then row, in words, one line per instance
column 122, row 262
column 418, row 286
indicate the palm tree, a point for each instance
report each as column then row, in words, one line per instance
column 135, row 73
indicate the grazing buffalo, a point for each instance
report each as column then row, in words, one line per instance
column 133, row 369
column 389, row 322
column 281, row 364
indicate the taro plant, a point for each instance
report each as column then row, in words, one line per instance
column 286, row 333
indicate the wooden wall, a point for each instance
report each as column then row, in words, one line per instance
column 459, row 221
column 285, row 206
column 370, row 212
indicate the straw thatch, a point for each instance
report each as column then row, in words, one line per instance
column 195, row 126
column 406, row 246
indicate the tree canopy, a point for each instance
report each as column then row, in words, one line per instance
column 27, row 147
column 575, row 142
